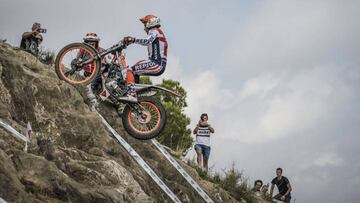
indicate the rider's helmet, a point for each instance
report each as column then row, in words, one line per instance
column 92, row 39
column 150, row 21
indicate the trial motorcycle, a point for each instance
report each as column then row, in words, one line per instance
column 80, row 64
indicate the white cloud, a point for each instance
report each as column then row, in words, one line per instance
column 203, row 92
column 203, row 88
column 272, row 106
column 303, row 104
column 286, row 34
column 173, row 70
column 269, row 106
column 259, row 86
column 327, row 159
column 284, row 62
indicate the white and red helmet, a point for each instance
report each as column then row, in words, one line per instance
column 91, row 37
column 150, row 21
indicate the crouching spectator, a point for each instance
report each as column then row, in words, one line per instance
column 257, row 186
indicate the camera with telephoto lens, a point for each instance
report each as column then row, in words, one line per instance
column 42, row 30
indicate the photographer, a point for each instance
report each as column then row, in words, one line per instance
column 202, row 144
column 31, row 40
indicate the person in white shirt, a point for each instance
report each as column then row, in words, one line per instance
column 202, row 144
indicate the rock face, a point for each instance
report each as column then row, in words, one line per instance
column 70, row 152
column 72, row 157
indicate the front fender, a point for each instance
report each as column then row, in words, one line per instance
column 90, row 47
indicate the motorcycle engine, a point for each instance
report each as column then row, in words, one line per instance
column 115, row 84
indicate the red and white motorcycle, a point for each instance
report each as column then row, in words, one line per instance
column 79, row 63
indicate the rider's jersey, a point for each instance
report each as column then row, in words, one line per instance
column 156, row 43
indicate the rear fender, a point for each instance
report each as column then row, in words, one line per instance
column 143, row 89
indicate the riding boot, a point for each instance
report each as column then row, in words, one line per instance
column 93, row 101
column 131, row 94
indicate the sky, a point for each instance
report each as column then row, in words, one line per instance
column 280, row 80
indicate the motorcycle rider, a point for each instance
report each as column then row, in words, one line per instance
column 93, row 40
column 157, row 51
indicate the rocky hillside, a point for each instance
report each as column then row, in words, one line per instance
column 72, row 157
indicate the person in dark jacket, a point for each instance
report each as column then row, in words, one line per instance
column 283, row 185
column 31, row 41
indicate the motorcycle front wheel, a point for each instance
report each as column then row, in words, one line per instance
column 67, row 63
column 147, row 125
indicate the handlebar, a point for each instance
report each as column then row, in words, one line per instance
column 117, row 47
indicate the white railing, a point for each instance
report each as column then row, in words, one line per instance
column 2, row 200
column 14, row 132
column 181, row 170
column 140, row 161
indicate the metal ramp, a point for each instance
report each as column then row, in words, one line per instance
column 14, row 132
column 2, row 200
column 181, row 170
column 152, row 174
column 140, row 161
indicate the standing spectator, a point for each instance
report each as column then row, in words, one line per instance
column 202, row 144
column 283, row 185
column 31, row 40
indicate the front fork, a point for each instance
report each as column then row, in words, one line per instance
column 90, row 60
column 137, row 107
column 139, row 110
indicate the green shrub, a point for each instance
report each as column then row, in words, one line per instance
column 232, row 181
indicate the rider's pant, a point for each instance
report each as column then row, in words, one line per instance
column 146, row 67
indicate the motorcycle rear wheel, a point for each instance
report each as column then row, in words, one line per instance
column 147, row 125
